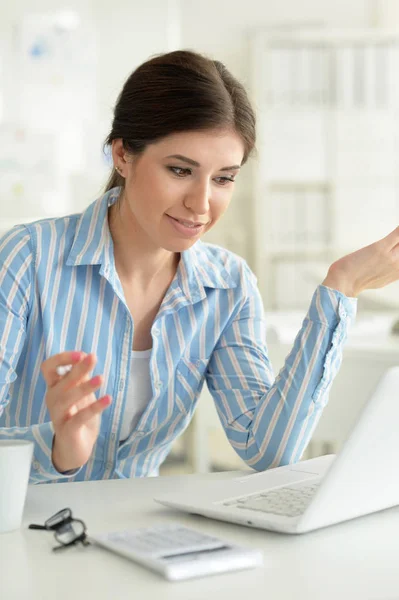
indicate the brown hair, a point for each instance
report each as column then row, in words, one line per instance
column 179, row 91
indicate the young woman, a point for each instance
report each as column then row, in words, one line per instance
column 144, row 311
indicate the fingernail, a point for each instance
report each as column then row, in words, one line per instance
column 75, row 356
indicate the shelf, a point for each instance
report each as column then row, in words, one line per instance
column 328, row 146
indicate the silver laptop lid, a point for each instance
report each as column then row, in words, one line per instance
column 364, row 476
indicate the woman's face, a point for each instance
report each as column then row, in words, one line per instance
column 179, row 187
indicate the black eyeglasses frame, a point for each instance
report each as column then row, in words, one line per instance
column 59, row 523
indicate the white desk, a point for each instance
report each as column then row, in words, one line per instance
column 357, row 560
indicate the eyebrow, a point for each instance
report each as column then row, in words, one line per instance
column 194, row 163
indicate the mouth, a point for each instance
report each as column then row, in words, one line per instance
column 186, row 227
column 186, row 223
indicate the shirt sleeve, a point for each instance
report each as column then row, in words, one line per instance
column 16, row 280
column 269, row 421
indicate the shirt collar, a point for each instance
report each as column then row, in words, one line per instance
column 93, row 245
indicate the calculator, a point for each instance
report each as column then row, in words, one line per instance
column 177, row 552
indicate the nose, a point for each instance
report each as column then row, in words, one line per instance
column 197, row 200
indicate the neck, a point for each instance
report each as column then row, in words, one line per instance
column 136, row 260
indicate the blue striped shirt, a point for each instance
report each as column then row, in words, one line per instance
column 59, row 290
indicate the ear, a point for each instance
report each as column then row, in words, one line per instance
column 118, row 152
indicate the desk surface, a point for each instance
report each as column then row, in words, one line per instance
column 350, row 561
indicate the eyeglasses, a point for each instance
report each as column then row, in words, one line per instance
column 67, row 530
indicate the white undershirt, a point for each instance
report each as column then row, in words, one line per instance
column 139, row 391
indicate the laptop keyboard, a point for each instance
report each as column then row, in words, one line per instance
column 286, row 501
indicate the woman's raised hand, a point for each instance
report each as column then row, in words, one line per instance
column 371, row 267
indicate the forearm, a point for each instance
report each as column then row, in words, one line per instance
column 279, row 420
column 340, row 278
column 61, row 458
column 287, row 415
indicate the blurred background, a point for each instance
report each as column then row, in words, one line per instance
column 323, row 78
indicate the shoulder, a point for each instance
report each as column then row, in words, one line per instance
column 37, row 243
column 15, row 235
column 16, row 259
column 15, row 243
column 55, row 226
column 42, row 233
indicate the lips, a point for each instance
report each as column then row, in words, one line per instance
column 185, row 227
column 187, row 223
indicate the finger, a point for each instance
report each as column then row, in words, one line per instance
column 89, row 412
column 79, row 372
column 49, row 366
column 75, row 408
column 78, row 395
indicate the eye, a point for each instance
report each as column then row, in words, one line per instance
column 224, row 180
column 180, row 171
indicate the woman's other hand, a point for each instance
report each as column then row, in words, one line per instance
column 74, row 410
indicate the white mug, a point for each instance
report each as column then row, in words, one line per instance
column 15, row 463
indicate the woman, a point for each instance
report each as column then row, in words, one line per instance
column 144, row 312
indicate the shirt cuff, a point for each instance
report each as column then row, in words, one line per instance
column 42, row 466
column 331, row 307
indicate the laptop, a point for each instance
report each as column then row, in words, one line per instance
column 361, row 479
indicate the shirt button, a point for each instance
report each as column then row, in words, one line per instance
column 156, row 331
column 36, row 465
column 158, row 385
column 113, row 436
column 109, row 465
